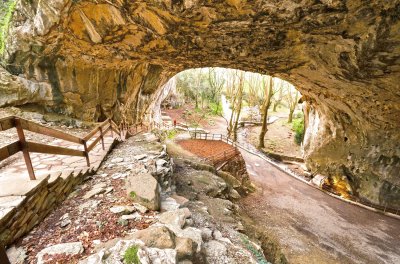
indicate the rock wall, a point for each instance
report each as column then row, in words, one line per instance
column 19, row 214
column 343, row 57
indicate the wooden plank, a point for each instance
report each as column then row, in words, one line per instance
column 24, row 147
column 48, row 149
column 95, row 130
column 93, row 144
column 9, row 150
column 7, row 123
column 34, row 127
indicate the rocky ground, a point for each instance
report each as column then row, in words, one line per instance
column 132, row 210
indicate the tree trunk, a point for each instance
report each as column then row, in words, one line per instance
column 263, row 129
column 239, row 105
column 264, row 116
column 290, row 116
column 275, row 106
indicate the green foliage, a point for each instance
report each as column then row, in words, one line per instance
column 259, row 256
column 216, row 108
column 171, row 133
column 165, row 134
column 201, row 86
column 132, row 194
column 131, row 255
column 6, row 11
column 298, row 128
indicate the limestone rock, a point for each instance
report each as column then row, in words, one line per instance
column 140, row 157
column 144, row 189
column 175, row 218
column 138, row 207
column 122, row 209
column 16, row 255
column 156, row 236
column 169, row 204
column 215, row 252
column 71, row 249
column 82, row 57
column 134, row 216
column 161, row 162
column 93, row 192
column 185, row 247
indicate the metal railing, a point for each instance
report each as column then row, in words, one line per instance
column 27, row 147
column 221, row 156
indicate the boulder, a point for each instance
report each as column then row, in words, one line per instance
column 169, row 204
column 156, row 236
column 175, row 218
column 16, row 255
column 144, row 189
column 185, row 247
column 70, row 249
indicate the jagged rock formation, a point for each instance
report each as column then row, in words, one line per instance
column 342, row 55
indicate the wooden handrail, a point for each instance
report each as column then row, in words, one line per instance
column 7, row 123
column 36, row 128
column 95, row 130
column 9, row 150
column 48, row 149
column 25, row 146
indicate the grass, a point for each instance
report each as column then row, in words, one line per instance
column 6, row 11
column 131, row 255
column 132, row 194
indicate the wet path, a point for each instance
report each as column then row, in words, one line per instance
column 314, row 227
column 311, row 226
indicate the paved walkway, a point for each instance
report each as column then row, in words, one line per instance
column 311, row 226
column 14, row 178
column 314, row 227
column 14, row 172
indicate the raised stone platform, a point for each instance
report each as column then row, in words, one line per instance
column 24, row 202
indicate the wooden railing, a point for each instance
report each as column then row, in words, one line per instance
column 26, row 146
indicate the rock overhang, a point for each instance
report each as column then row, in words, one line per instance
column 342, row 56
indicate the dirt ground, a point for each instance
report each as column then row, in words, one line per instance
column 279, row 138
column 187, row 114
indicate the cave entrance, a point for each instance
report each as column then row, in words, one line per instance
column 234, row 103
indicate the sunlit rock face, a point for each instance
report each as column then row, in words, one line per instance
column 344, row 57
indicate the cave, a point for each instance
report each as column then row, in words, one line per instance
column 91, row 59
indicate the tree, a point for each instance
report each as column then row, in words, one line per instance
column 278, row 99
column 268, row 88
column 216, row 83
column 239, row 104
column 292, row 98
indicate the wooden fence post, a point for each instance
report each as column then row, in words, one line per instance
column 86, row 153
column 112, row 135
column 102, row 138
column 24, row 148
column 3, row 256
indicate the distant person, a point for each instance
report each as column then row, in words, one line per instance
column 174, row 122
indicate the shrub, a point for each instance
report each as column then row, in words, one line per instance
column 298, row 128
column 6, row 11
column 130, row 256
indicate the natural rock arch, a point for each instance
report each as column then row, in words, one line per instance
column 343, row 56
